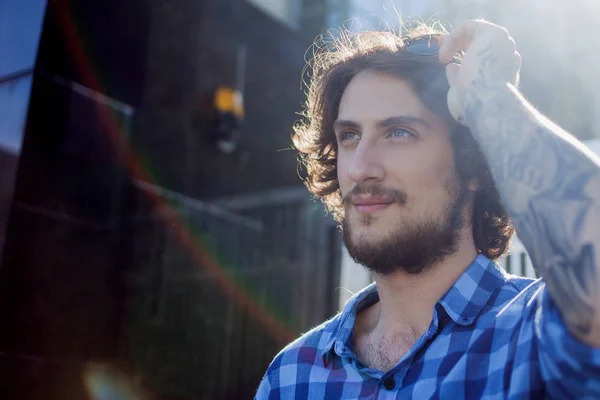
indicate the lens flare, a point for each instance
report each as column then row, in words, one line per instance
column 104, row 382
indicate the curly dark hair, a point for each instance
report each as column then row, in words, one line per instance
column 334, row 64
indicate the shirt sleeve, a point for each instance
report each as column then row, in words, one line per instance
column 570, row 368
column 264, row 389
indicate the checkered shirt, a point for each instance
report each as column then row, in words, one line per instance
column 493, row 336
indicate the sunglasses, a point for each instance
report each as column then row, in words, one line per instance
column 428, row 45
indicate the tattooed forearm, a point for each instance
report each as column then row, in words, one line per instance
column 550, row 186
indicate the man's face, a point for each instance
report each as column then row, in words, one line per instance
column 403, row 201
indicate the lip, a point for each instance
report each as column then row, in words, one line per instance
column 368, row 205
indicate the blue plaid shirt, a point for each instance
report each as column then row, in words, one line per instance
column 492, row 336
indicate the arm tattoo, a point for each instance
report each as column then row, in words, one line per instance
column 550, row 186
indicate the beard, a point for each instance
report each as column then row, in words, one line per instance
column 415, row 246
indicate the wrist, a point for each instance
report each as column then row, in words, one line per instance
column 488, row 100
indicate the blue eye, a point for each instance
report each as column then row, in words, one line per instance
column 399, row 132
column 348, row 135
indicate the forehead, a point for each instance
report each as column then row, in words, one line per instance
column 372, row 96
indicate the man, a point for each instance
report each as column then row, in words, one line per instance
column 425, row 211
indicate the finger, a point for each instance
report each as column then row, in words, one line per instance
column 441, row 39
column 452, row 70
column 458, row 40
column 462, row 37
column 454, row 105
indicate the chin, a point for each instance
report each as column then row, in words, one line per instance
column 370, row 235
column 378, row 225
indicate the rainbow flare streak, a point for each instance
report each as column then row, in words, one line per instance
column 193, row 243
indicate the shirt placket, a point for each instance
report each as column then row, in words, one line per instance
column 392, row 382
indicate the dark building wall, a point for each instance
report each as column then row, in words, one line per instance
column 196, row 339
column 101, row 45
column 61, row 296
column 20, row 29
column 193, row 48
column 93, row 271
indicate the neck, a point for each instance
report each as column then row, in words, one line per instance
column 406, row 301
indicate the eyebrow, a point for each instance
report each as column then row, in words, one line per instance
column 386, row 123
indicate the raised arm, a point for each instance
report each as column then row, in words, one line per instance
column 549, row 182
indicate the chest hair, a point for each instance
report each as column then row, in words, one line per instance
column 384, row 351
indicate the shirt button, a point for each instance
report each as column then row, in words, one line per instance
column 389, row 383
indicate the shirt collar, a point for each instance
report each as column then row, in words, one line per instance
column 472, row 290
column 340, row 332
column 462, row 302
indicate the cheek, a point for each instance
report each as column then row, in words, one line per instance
column 342, row 173
column 421, row 171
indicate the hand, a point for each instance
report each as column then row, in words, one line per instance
column 490, row 61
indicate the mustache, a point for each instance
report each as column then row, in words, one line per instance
column 395, row 195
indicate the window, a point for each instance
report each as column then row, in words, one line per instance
column 20, row 28
column 14, row 98
column 287, row 11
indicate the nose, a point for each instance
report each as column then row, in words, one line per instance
column 366, row 164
